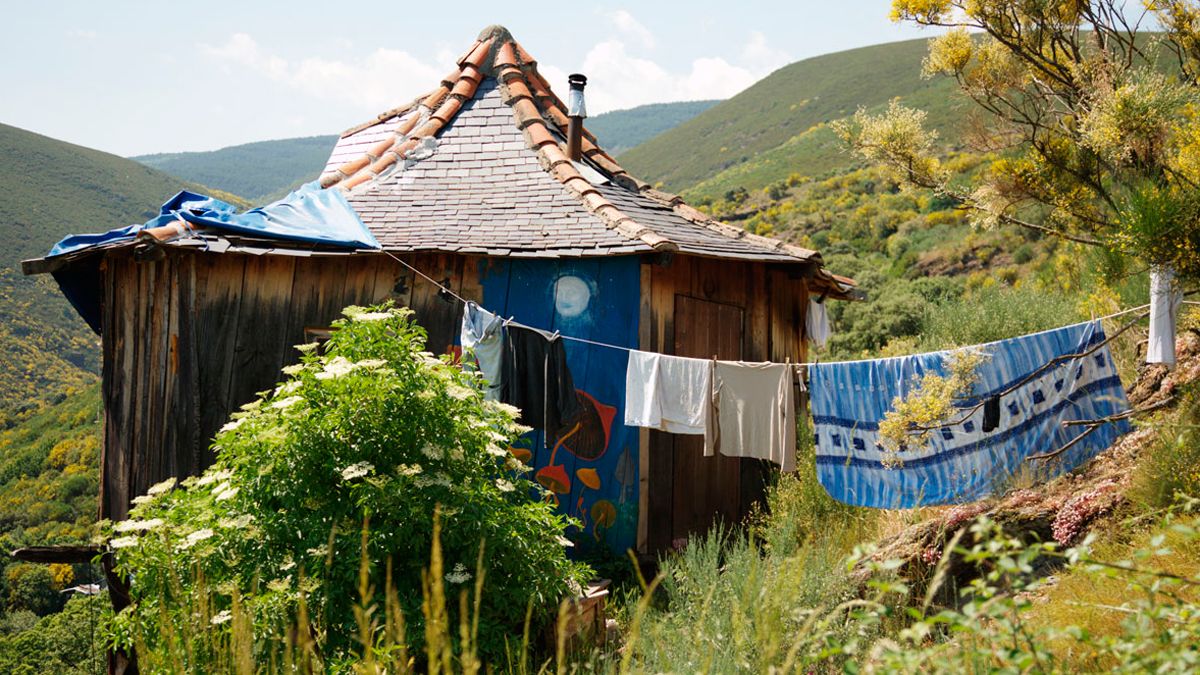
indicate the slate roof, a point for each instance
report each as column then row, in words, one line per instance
column 479, row 165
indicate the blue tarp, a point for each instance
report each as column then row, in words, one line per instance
column 963, row 462
column 309, row 214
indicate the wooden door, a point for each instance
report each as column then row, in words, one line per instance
column 704, row 489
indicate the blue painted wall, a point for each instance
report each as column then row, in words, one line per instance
column 595, row 468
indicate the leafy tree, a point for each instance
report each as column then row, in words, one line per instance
column 66, row 643
column 1095, row 123
column 32, row 587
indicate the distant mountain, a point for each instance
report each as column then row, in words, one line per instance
column 777, row 126
column 259, row 171
column 621, row 130
column 266, row 170
column 49, row 189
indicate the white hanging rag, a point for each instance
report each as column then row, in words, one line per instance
column 668, row 393
column 816, row 323
column 1165, row 300
column 483, row 333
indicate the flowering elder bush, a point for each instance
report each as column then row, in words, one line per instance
column 344, row 463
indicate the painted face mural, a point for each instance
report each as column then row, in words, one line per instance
column 571, row 296
column 591, row 469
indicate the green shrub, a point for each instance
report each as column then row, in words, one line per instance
column 994, row 313
column 375, row 429
column 1172, row 466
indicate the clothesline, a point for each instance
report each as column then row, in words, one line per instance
column 595, row 343
column 1102, row 318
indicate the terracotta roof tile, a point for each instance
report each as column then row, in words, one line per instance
column 478, row 165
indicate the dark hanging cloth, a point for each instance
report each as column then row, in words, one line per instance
column 991, row 413
column 536, row 379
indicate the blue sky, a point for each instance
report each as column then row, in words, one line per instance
column 140, row 77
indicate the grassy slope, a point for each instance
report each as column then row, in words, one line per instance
column 790, row 102
column 259, row 171
column 621, row 130
column 49, row 189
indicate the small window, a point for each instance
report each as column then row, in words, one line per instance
column 319, row 335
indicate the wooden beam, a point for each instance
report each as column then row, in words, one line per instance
column 69, row 555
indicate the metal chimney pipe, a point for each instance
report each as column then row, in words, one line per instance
column 576, row 111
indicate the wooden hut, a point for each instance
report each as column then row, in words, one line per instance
column 471, row 184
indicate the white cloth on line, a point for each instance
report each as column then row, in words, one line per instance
column 753, row 412
column 816, row 322
column 483, row 333
column 668, row 393
column 1165, row 299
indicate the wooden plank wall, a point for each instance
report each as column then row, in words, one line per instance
column 773, row 303
column 193, row 336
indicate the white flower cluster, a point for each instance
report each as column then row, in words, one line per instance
column 508, row 408
column 160, row 488
column 137, row 525
column 439, row 479
column 357, row 470
column 459, row 574
column 240, row 523
column 285, row 403
column 196, row 537
column 373, row 316
column 356, row 313
column 339, row 366
column 505, row 485
column 211, row 477
column 408, row 469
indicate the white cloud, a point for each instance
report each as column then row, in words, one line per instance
column 384, row 78
column 760, row 56
column 621, row 79
column 621, row 72
column 630, row 27
column 82, row 34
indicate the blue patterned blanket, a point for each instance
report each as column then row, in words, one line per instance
column 962, row 462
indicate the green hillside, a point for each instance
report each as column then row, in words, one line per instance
column 774, row 124
column 621, row 130
column 49, row 189
column 258, row 171
column 49, row 477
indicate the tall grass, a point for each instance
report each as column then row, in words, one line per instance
column 995, row 313
column 292, row 648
